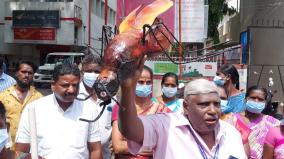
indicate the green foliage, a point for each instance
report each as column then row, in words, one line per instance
column 217, row 10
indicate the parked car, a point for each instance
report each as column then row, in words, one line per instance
column 44, row 72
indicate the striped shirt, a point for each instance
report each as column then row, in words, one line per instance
column 6, row 81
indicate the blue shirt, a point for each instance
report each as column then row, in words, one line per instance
column 6, row 81
column 236, row 104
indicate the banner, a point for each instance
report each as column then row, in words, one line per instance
column 34, row 33
column 192, row 20
column 194, row 69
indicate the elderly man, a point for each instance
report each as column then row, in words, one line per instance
column 60, row 132
column 198, row 133
column 6, row 81
column 16, row 97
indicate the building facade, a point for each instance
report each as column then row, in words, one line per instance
column 229, row 28
column 32, row 28
column 264, row 23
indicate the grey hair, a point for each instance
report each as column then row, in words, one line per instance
column 200, row 86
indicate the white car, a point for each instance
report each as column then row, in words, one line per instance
column 44, row 72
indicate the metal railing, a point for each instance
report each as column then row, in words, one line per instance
column 219, row 56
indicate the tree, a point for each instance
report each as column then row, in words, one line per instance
column 217, row 10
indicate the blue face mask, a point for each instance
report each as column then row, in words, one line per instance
column 90, row 78
column 218, row 81
column 169, row 91
column 223, row 104
column 255, row 107
column 143, row 90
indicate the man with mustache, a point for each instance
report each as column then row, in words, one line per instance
column 197, row 133
column 60, row 132
column 16, row 97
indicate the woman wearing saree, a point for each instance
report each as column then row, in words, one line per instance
column 169, row 98
column 252, row 124
column 144, row 106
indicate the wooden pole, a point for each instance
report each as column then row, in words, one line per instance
column 33, row 132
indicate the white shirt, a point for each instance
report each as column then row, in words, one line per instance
column 168, row 135
column 60, row 135
column 104, row 120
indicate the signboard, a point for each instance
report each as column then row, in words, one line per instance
column 161, row 68
column 194, row 69
column 193, row 18
column 34, row 33
column 36, row 18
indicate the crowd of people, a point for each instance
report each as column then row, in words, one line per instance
column 202, row 120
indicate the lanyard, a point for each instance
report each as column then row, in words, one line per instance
column 201, row 150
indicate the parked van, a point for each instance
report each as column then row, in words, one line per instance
column 44, row 72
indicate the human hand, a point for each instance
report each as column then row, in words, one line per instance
column 133, row 75
column 110, row 146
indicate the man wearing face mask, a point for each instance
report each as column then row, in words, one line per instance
column 223, row 97
column 90, row 71
column 169, row 89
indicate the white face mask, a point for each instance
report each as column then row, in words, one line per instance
column 90, row 78
column 169, row 91
column 3, row 138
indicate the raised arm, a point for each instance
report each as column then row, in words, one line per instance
column 130, row 125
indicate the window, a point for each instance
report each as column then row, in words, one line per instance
column 109, row 18
column 93, row 6
column 102, row 9
column 112, row 15
column 98, row 8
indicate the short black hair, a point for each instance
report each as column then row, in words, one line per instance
column 90, row 59
column 233, row 72
column 253, row 88
column 149, row 70
column 169, row 74
column 65, row 69
column 27, row 63
column 2, row 110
